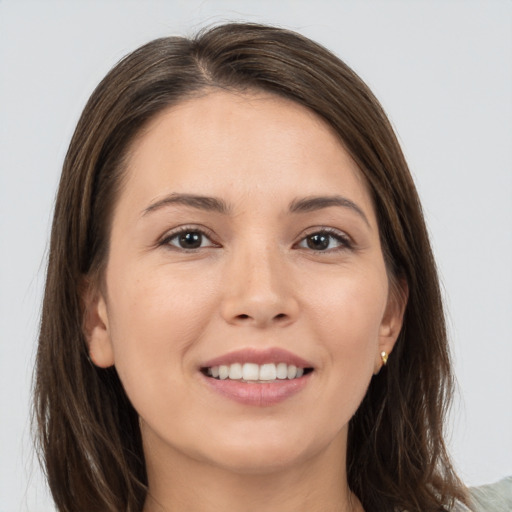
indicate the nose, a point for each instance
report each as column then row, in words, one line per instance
column 258, row 290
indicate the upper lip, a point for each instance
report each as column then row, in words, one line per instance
column 258, row 356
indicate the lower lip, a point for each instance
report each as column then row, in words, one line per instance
column 258, row 394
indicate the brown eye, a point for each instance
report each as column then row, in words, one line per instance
column 325, row 241
column 318, row 242
column 189, row 239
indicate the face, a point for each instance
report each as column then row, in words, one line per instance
column 246, row 299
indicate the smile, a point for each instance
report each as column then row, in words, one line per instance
column 255, row 373
column 257, row 377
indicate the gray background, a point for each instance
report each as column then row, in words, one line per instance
column 443, row 71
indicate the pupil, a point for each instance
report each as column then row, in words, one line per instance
column 190, row 240
column 318, row 242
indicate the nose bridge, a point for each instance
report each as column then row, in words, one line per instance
column 259, row 290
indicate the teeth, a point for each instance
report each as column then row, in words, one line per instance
column 268, row 372
column 282, row 371
column 254, row 372
column 235, row 371
column 250, row 371
column 291, row 372
column 223, row 372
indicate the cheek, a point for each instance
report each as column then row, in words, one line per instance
column 154, row 318
column 157, row 303
column 347, row 315
column 350, row 307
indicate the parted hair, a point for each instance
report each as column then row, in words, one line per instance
column 88, row 433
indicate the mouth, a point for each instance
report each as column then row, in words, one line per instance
column 257, row 377
column 253, row 373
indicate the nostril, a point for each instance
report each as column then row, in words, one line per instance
column 243, row 316
column 279, row 316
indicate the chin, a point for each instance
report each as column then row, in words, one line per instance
column 255, row 460
column 266, row 452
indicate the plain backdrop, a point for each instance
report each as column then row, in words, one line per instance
column 443, row 71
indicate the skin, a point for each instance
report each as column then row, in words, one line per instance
column 255, row 283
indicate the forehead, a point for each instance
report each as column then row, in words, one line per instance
column 257, row 144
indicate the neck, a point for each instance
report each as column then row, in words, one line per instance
column 316, row 484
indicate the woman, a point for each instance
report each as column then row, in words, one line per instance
column 242, row 311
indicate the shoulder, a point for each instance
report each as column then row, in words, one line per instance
column 489, row 498
column 494, row 497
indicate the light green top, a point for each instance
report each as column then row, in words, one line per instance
column 490, row 498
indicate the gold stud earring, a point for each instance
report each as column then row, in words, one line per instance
column 384, row 358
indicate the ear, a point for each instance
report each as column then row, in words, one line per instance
column 96, row 326
column 392, row 320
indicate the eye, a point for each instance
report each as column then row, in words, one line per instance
column 325, row 240
column 188, row 239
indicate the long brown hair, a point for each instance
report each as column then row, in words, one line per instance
column 89, row 437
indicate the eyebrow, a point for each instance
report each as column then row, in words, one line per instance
column 214, row 204
column 313, row 203
column 210, row 204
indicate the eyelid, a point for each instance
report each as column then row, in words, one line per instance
column 178, row 230
column 345, row 239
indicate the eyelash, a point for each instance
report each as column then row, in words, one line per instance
column 203, row 232
column 344, row 241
